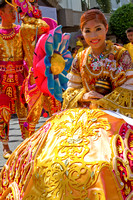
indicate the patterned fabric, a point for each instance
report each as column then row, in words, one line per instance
column 8, row 34
column 5, row 115
column 112, row 66
column 12, row 71
column 27, row 8
column 29, row 28
column 77, row 154
column 129, row 47
column 12, row 74
column 10, row 45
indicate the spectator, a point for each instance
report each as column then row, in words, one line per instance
column 129, row 46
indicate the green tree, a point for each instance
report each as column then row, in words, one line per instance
column 117, row 1
column 84, row 5
column 121, row 20
column 105, row 5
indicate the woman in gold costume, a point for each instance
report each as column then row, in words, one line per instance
column 82, row 153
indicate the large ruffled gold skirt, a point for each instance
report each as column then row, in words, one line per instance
column 78, row 154
column 121, row 100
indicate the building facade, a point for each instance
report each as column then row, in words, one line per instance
column 70, row 11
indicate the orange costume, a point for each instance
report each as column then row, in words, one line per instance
column 16, row 45
column 30, row 95
column 12, row 75
column 33, row 26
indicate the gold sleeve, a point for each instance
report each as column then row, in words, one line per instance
column 29, row 28
column 75, row 90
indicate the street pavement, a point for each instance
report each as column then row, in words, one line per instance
column 15, row 136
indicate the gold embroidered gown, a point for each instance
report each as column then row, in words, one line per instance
column 78, row 154
column 112, row 71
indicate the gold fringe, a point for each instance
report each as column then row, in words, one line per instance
column 71, row 97
column 120, row 99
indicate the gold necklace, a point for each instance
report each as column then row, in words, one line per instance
column 7, row 35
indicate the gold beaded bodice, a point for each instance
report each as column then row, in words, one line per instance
column 106, row 66
column 10, row 44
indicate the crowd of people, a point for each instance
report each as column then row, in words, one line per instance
column 85, row 150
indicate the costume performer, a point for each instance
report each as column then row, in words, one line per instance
column 13, row 70
column 12, row 73
column 79, row 153
column 33, row 26
column 106, row 76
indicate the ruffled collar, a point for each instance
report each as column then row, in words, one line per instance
column 108, row 49
column 109, row 52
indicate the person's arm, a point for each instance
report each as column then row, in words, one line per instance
column 75, row 90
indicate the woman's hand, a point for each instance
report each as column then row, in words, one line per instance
column 92, row 95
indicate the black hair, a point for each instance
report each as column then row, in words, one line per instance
column 94, row 8
column 19, row 9
column 35, row 1
column 129, row 30
column 3, row 3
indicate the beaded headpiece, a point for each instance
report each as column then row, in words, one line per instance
column 26, row 7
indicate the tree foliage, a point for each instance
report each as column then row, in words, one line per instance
column 105, row 5
column 121, row 20
column 84, row 5
column 117, row 1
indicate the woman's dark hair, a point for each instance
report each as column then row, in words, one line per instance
column 3, row 3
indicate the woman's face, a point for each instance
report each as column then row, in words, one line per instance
column 94, row 33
